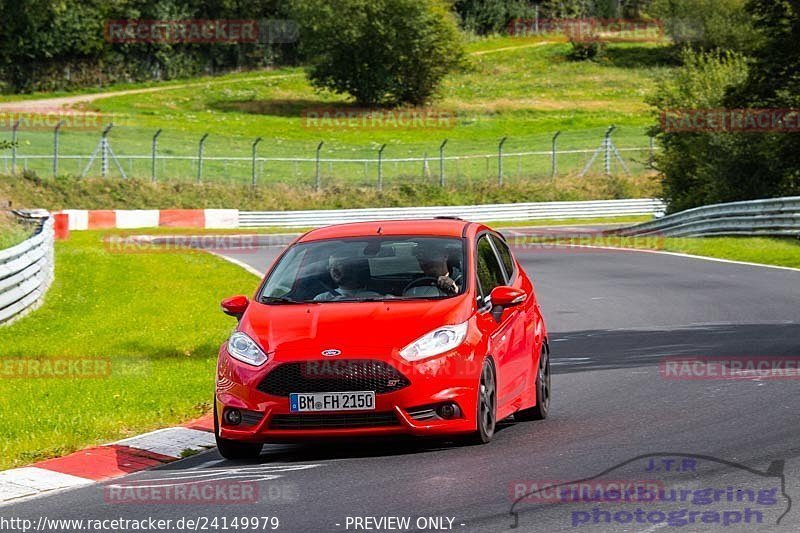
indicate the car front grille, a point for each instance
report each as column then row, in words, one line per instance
column 334, row 421
column 333, row 376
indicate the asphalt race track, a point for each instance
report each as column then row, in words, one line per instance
column 612, row 316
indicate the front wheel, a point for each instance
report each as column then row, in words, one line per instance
column 487, row 406
column 542, row 387
column 232, row 449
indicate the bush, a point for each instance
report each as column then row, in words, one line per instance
column 381, row 52
column 586, row 50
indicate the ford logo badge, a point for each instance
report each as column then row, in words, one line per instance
column 331, row 353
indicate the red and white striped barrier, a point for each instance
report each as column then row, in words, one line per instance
column 82, row 219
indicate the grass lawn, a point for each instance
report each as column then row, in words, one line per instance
column 762, row 250
column 11, row 230
column 523, row 88
column 154, row 317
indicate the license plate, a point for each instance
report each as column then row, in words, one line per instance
column 300, row 402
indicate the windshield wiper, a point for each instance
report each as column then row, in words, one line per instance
column 277, row 300
column 370, row 299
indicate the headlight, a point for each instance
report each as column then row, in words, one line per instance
column 245, row 349
column 436, row 342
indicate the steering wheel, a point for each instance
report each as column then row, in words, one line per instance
column 422, row 281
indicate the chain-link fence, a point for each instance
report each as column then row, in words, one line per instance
column 163, row 156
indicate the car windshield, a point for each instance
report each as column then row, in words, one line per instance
column 368, row 269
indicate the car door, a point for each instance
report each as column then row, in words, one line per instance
column 521, row 329
column 490, row 274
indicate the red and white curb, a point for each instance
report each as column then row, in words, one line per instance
column 109, row 461
column 82, row 219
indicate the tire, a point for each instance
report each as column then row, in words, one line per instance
column 232, row 449
column 487, row 406
column 543, row 390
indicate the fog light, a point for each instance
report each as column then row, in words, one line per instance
column 448, row 411
column 233, row 417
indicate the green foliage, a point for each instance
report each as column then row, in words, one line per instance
column 55, row 45
column 379, row 51
column 491, row 16
column 769, row 164
column 708, row 24
column 594, row 8
column 703, row 168
column 691, row 161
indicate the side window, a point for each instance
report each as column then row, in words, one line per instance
column 490, row 275
column 505, row 256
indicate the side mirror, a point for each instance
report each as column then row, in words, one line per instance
column 504, row 296
column 235, row 306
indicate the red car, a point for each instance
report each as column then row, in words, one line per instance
column 422, row 327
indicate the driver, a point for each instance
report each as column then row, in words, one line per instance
column 350, row 275
column 433, row 262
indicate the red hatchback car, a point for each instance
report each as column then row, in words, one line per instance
column 422, row 327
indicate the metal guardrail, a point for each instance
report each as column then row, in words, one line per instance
column 478, row 213
column 26, row 272
column 770, row 217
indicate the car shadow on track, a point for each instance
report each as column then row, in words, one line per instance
column 580, row 351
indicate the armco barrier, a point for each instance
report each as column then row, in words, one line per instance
column 770, row 217
column 478, row 213
column 26, row 272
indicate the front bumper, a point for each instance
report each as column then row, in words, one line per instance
column 450, row 378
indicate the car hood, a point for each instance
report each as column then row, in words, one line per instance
column 356, row 329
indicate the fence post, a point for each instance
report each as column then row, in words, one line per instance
column 553, row 163
column 154, row 156
column 14, row 129
column 200, row 158
column 500, row 160
column 607, row 154
column 319, row 177
column 55, row 147
column 441, row 163
column 255, row 144
column 380, row 167
column 104, row 150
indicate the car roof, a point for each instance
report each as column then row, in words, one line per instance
column 435, row 227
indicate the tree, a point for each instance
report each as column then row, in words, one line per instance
column 691, row 162
column 381, row 52
column 768, row 164
column 708, row 24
